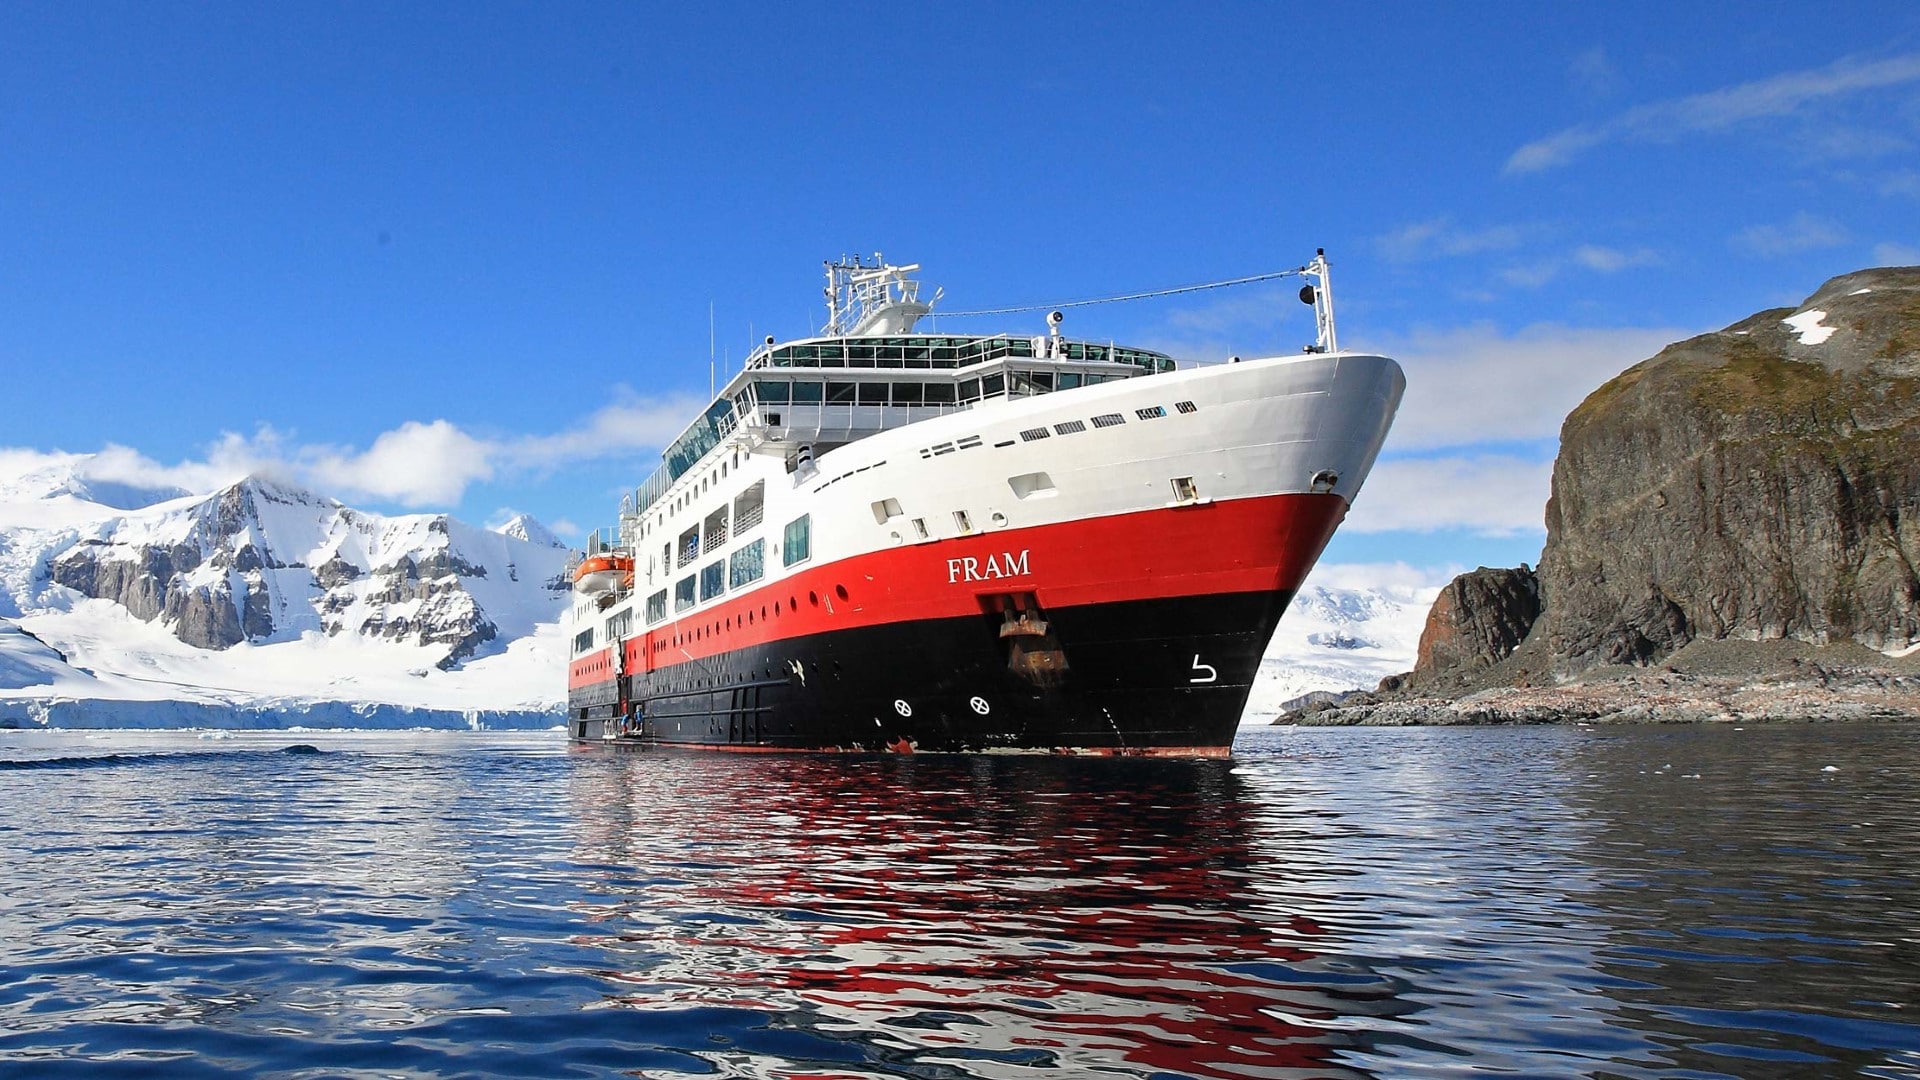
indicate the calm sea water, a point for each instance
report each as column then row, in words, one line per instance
column 1331, row 903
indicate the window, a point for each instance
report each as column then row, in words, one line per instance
column 962, row 522
column 750, row 508
column 620, row 626
column 920, row 528
column 993, row 384
column 716, row 529
column 797, row 544
column 747, row 565
column 689, row 546
column 1069, row 380
column 683, row 593
column 885, row 509
column 939, row 393
column 840, row 393
column 713, row 579
column 969, row 389
column 873, row 393
column 583, row 641
column 656, row 607
column 806, row 393
column 906, row 393
column 1184, row 489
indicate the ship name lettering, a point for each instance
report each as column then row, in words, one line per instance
column 1004, row 565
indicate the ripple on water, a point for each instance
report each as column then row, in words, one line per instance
column 1646, row 902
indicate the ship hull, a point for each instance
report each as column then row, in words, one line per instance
column 922, row 686
column 1138, row 634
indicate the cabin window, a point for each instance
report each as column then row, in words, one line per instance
column 656, row 607
column 747, row 565
column 807, row 393
column 797, row 544
column 683, row 593
column 583, row 641
column 713, row 579
column 750, row 507
column 620, row 626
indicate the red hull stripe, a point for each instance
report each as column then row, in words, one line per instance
column 1243, row 545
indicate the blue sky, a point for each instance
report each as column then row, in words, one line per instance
column 461, row 257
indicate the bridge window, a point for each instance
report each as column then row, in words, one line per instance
column 772, row 393
column 939, row 393
column 806, row 393
column 840, row 393
column 873, row 393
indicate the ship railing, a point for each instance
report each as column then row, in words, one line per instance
column 715, row 540
column 749, row 519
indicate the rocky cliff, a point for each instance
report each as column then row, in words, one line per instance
column 1718, row 510
column 1762, row 482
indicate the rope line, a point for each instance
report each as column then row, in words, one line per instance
column 1117, row 299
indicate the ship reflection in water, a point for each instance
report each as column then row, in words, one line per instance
column 965, row 916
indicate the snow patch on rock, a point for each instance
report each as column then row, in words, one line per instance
column 1807, row 326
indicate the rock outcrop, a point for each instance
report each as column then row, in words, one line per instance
column 1757, row 485
column 1476, row 622
column 1760, row 482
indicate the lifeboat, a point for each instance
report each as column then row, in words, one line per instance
column 602, row 573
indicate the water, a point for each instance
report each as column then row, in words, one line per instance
column 1672, row 902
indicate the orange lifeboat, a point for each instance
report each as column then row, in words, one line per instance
column 602, row 573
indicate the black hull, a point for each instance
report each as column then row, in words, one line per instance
column 1136, row 677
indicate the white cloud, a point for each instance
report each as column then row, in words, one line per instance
column 1476, row 384
column 1392, row 575
column 565, row 529
column 1891, row 254
column 1441, row 238
column 1803, row 233
column 1489, row 494
column 415, row 464
column 1593, row 73
column 1776, row 96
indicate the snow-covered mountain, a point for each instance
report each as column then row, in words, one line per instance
column 268, row 601
column 526, row 527
column 1349, row 627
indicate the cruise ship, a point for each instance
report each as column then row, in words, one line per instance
column 882, row 540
